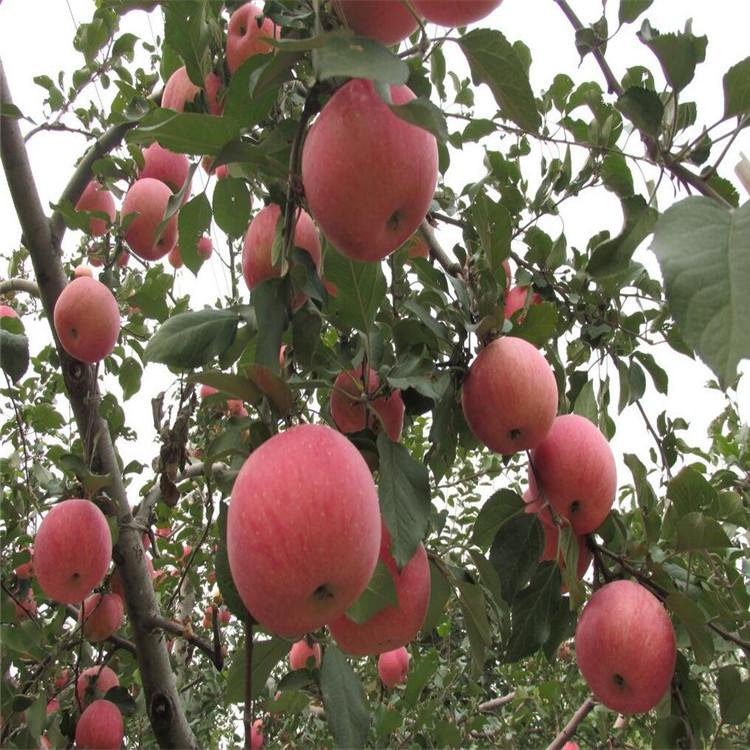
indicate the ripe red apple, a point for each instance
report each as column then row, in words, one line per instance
column 6, row 311
column 256, row 251
column 26, row 569
column 509, row 397
column 576, row 470
column 625, row 647
column 148, row 198
column 174, row 257
column 245, row 35
column 388, row 21
column 205, row 247
column 225, row 616
column 369, row 176
column 256, row 735
column 103, row 614
column 115, row 584
column 100, row 727
column 82, row 271
column 393, row 666
column 301, row 653
column 166, row 166
column 26, row 609
column 72, row 550
column 61, row 680
column 236, row 408
column 515, row 299
column 352, row 415
column 100, row 678
column 303, row 530
column 87, row 319
column 180, row 90
column 97, row 198
column 391, row 627
column 52, row 706
column 454, row 12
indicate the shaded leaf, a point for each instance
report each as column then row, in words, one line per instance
column 694, row 620
column 186, row 132
column 379, row 593
column 231, row 205
column 643, row 108
column 440, row 592
column 224, row 578
column 734, row 696
column 474, row 610
column 424, row 114
column 266, row 655
column 194, row 220
column 696, row 531
column 497, row 510
column 678, row 54
column 14, row 354
column 270, row 301
column 515, row 553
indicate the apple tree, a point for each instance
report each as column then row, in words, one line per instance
column 326, row 348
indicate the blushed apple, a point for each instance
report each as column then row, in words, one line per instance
column 391, row 627
column 103, row 616
column 98, row 199
column 256, row 735
column 96, row 681
column 6, row 311
column 574, row 469
column 180, row 90
column 393, row 666
column 87, row 319
column 68, row 563
column 454, row 12
column 515, row 299
column 247, row 27
column 26, row 608
column 100, row 727
column 509, row 397
column 388, row 21
column 369, row 176
column 79, row 271
column 205, row 248
column 166, row 166
column 312, row 487
column 625, row 647
column 174, row 257
column 300, row 654
column 147, row 198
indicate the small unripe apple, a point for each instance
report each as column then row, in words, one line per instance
column 454, row 12
column 103, row 613
column 180, row 90
column 148, row 199
column 100, row 727
column 301, row 653
column 625, row 647
column 72, row 550
column 166, row 166
column 100, row 678
column 393, row 666
column 97, row 198
column 388, row 21
column 244, row 35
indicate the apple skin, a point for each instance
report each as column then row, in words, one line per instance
column 26, row 609
column 6, row 311
column 300, row 653
column 148, row 198
column 388, row 21
column 509, row 398
column 244, row 35
column 577, row 472
column 68, row 563
column 625, row 647
column 256, row 735
column 100, row 727
column 369, row 176
column 454, row 12
column 105, row 681
column 205, row 248
column 97, row 198
column 174, row 257
column 180, row 90
column 515, row 299
column 79, row 271
column 26, row 570
column 303, row 530
column 166, row 166
column 391, row 627
column 351, row 415
column 393, row 666
column 257, row 248
column 87, row 319
column 104, row 613
column 115, row 584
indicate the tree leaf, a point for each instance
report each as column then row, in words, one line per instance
column 186, row 132
column 194, row 220
column 224, row 574
column 344, row 700
column 537, row 325
column 404, row 493
column 737, row 89
column 474, row 609
column 231, row 204
column 690, row 491
column 440, row 592
column 643, row 108
column 678, row 54
column 616, row 174
column 424, row 114
column 515, row 553
column 493, row 61
column 694, row 620
column 493, row 224
column 186, row 32
column 696, row 531
column 192, row 339
column 497, row 510
column 270, row 385
column 270, row 301
column 266, row 655
column 631, row 9
column 734, row 696
column 701, row 248
column 130, row 377
column 232, row 385
column 379, row 594
column 14, row 354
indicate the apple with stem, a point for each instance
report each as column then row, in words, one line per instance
column 301, row 653
column 388, row 21
column 148, row 200
column 247, row 27
column 96, row 198
column 393, row 666
column 100, row 727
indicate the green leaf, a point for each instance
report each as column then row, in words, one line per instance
column 690, row 491
column 424, row 114
column 440, row 592
column 270, row 385
column 643, row 108
column 130, row 377
column 631, row 9
column 404, row 493
column 515, row 553
column 701, row 248
column 585, row 404
column 232, row 385
column 342, row 54
column 231, row 204
column 570, row 550
column 474, row 610
column 695, row 531
column 499, row 508
column 186, row 32
column 678, row 54
column 538, row 324
column 616, row 174
column 121, row 697
column 379, row 594
column 493, row 61
column 694, row 620
column 245, row 106
column 645, row 495
column 421, row 671
column 194, row 220
column 43, row 417
column 251, row 161
column 613, row 256
column 737, row 89
column 493, row 224
column 734, row 696
column 186, row 132
column 223, row 573
column 344, row 700
column 192, row 339
column 266, row 655
column 270, row 301
column 14, row 354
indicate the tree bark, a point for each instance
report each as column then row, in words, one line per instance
column 42, row 237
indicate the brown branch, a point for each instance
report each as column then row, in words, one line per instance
column 570, row 728
column 115, row 640
column 449, row 265
column 161, row 623
column 19, row 285
column 491, row 705
column 41, row 237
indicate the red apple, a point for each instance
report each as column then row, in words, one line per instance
column 454, row 12
column 352, row 415
column 236, row 408
column 245, row 35
column 97, row 198
column 369, row 176
column 625, row 647
column 6, row 311
column 180, row 90
column 26, row 569
column 62, row 680
column 391, row 627
column 100, row 727
column 26, row 609
column 99, row 679
column 393, row 666
column 166, row 166
column 103, row 614
column 515, row 299
column 205, row 248
column 225, row 616
column 72, row 550
column 207, row 390
column 301, row 653
column 509, row 397
column 388, row 21
column 148, row 198
column 303, row 530
column 574, row 469
column 124, row 259
column 256, row 735
column 82, row 271
column 87, row 319
column 174, row 257
column 115, row 584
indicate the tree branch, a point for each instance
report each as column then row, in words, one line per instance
column 19, row 285
column 161, row 623
column 436, row 251
column 570, row 728
column 503, row 700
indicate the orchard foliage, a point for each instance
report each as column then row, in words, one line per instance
column 492, row 665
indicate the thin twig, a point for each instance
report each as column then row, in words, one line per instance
column 570, row 728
